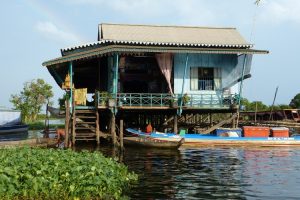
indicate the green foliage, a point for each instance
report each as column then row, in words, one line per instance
column 61, row 102
column 35, row 173
column 30, row 101
column 41, row 125
column 295, row 102
column 251, row 106
column 281, row 107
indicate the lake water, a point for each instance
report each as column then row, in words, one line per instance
column 210, row 173
column 214, row 173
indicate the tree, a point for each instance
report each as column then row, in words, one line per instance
column 295, row 102
column 61, row 102
column 35, row 94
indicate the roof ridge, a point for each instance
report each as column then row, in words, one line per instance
column 169, row 26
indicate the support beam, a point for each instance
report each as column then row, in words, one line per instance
column 97, row 127
column 71, row 84
column 241, row 91
column 183, row 83
column 99, row 74
column 233, row 121
column 113, row 129
column 121, row 133
column 115, row 81
column 67, row 119
column 175, row 124
column 73, row 119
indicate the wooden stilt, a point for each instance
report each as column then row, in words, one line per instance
column 97, row 128
column 121, row 133
column 210, row 120
column 175, row 124
column 113, row 129
column 233, row 121
column 74, row 127
column 67, row 123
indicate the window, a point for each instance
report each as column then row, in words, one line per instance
column 204, row 78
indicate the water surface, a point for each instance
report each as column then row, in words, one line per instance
column 214, row 173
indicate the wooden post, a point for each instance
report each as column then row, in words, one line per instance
column 67, row 123
column 121, row 133
column 97, row 128
column 233, row 121
column 175, row 124
column 255, row 112
column 210, row 120
column 73, row 119
column 113, row 128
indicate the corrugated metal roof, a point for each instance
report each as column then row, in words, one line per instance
column 171, row 34
column 147, row 49
column 166, row 36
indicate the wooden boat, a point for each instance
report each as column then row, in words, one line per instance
column 152, row 142
column 194, row 140
column 9, row 117
column 17, row 128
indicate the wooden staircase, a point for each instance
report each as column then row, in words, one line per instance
column 85, row 125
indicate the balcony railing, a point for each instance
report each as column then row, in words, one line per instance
column 165, row 100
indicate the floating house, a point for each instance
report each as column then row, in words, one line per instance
column 143, row 73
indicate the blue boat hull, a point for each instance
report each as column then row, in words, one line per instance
column 207, row 140
column 13, row 129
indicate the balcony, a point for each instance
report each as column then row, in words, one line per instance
column 156, row 100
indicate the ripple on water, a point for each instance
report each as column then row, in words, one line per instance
column 214, row 173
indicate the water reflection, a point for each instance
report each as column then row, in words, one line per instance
column 213, row 173
column 209, row 173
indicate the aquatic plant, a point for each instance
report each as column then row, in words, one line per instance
column 36, row 173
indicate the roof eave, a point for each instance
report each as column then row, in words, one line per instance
column 142, row 49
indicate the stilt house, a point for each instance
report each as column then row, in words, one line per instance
column 157, row 74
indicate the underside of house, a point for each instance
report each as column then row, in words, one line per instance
column 169, row 76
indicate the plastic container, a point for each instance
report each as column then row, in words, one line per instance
column 221, row 131
column 280, row 132
column 256, row 131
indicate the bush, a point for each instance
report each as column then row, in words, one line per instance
column 35, row 173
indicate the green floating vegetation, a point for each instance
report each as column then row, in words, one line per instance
column 36, row 173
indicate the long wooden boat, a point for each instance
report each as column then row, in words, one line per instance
column 152, row 143
column 17, row 128
column 194, row 140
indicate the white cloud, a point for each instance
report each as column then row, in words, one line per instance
column 51, row 31
column 281, row 11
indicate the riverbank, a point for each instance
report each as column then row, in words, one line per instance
column 41, row 125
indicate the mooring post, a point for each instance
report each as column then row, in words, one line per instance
column 175, row 124
column 67, row 123
column 121, row 133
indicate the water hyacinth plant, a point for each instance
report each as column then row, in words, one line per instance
column 36, row 173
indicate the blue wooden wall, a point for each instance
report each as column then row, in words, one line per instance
column 229, row 64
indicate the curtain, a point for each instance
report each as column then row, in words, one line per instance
column 80, row 96
column 164, row 61
column 217, row 78
column 194, row 78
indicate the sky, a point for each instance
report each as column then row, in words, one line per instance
column 33, row 31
